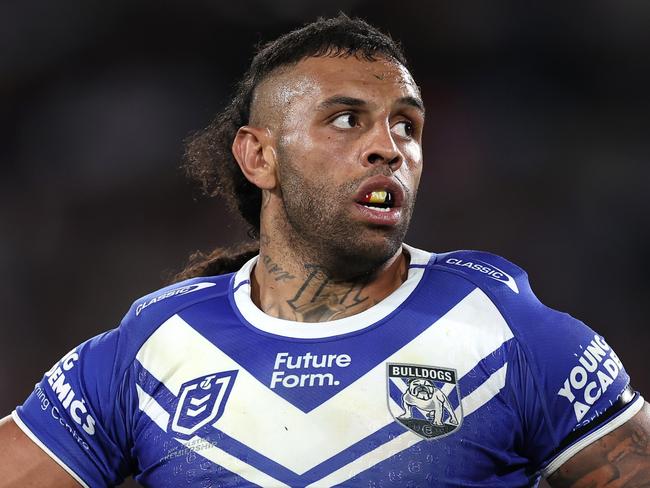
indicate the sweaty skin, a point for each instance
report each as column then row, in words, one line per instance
column 23, row 464
column 318, row 261
column 330, row 124
column 320, row 258
column 619, row 459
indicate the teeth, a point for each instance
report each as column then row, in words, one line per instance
column 378, row 196
column 379, row 209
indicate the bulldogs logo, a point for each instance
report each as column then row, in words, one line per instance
column 201, row 402
column 424, row 399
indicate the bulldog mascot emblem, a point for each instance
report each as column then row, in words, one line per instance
column 422, row 394
column 424, row 399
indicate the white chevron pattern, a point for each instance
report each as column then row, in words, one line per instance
column 270, row 425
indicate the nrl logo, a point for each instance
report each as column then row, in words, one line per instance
column 202, row 401
column 425, row 399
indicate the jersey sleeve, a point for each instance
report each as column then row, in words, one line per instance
column 77, row 413
column 82, row 412
column 568, row 385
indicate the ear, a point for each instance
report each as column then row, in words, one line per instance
column 254, row 151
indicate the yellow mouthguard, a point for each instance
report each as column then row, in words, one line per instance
column 378, row 196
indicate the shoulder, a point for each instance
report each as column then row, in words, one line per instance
column 508, row 288
column 161, row 304
column 150, row 312
column 503, row 287
column 147, row 313
column 564, row 376
column 549, row 340
column 113, row 351
column 486, row 270
column 505, row 284
column 93, row 390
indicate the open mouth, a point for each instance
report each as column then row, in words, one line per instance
column 382, row 200
column 378, row 201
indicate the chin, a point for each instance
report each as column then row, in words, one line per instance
column 362, row 254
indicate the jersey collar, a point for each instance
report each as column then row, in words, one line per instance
column 240, row 293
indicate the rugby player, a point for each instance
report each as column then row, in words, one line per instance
column 330, row 353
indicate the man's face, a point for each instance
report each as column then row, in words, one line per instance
column 349, row 146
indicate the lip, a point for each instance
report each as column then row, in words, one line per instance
column 375, row 216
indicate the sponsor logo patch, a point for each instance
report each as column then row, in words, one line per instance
column 183, row 290
column 598, row 367
column 424, row 399
column 202, row 401
column 67, row 392
column 489, row 270
column 307, row 370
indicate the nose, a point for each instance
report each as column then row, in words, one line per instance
column 381, row 148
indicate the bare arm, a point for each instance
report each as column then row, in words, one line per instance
column 619, row 459
column 23, row 464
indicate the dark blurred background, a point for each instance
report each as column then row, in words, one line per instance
column 536, row 148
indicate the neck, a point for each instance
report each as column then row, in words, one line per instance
column 287, row 285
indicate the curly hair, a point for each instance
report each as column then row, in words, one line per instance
column 208, row 156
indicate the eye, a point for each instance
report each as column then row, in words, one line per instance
column 403, row 128
column 346, row 121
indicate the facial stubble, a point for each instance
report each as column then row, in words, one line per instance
column 321, row 229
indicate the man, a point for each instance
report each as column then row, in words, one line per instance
column 294, row 366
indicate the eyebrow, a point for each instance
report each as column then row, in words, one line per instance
column 358, row 102
column 413, row 102
column 341, row 100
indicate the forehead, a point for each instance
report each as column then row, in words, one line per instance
column 315, row 78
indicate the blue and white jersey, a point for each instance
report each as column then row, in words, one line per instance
column 460, row 377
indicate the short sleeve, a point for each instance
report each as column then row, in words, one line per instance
column 581, row 389
column 83, row 411
column 76, row 413
column 567, row 384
